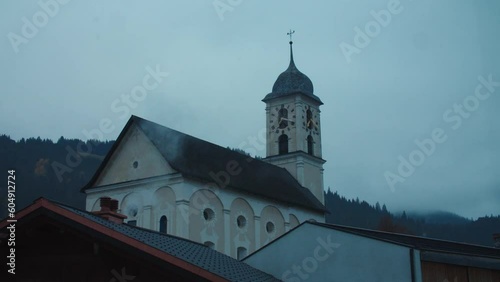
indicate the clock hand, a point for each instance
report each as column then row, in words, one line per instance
column 314, row 124
column 279, row 122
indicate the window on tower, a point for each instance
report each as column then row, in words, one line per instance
column 310, row 148
column 283, row 144
column 283, row 118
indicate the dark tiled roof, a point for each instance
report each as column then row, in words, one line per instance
column 200, row 159
column 421, row 243
column 186, row 250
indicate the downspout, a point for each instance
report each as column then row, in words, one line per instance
column 412, row 265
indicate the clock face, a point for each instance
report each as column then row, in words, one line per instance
column 311, row 120
column 282, row 118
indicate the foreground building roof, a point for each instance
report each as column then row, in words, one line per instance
column 417, row 242
column 187, row 259
column 331, row 252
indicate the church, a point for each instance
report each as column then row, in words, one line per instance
column 171, row 182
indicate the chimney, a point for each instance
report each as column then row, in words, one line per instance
column 105, row 203
column 113, row 205
column 496, row 240
column 109, row 210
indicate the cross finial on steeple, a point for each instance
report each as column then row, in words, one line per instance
column 292, row 64
column 290, row 33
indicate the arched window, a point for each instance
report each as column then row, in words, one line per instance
column 242, row 253
column 208, row 214
column 283, row 144
column 283, row 118
column 163, row 224
column 309, row 120
column 310, row 148
column 270, row 227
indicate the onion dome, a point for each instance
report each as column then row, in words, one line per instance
column 292, row 81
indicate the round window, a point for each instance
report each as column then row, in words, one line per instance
column 135, row 164
column 241, row 221
column 269, row 227
column 132, row 210
column 208, row 214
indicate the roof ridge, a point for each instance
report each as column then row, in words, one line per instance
column 354, row 229
column 202, row 140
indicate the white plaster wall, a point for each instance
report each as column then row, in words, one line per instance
column 315, row 253
column 132, row 205
column 227, row 196
column 134, row 148
column 298, row 132
column 183, row 208
column 202, row 230
column 143, row 188
column 241, row 236
column 163, row 204
column 274, row 217
column 308, row 171
column 294, row 221
column 290, row 131
column 313, row 178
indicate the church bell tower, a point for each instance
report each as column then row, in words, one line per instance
column 293, row 128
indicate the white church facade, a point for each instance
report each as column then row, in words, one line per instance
column 170, row 182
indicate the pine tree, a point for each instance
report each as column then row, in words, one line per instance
column 384, row 209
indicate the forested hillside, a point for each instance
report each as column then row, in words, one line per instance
column 52, row 170
column 440, row 225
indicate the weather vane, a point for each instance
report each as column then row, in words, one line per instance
column 290, row 34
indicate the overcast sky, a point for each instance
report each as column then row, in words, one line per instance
column 65, row 70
